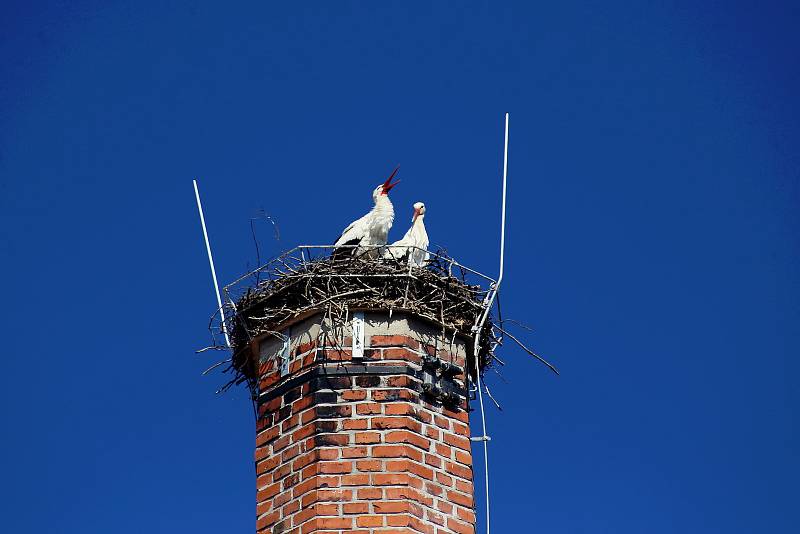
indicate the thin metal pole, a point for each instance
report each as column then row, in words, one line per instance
column 485, row 438
column 503, row 216
column 502, row 231
column 211, row 262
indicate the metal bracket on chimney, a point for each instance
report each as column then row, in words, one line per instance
column 438, row 380
column 451, row 392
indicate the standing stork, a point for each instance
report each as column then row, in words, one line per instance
column 413, row 248
column 371, row 231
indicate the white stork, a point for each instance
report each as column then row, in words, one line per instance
column 415, row 237
column 371, row 230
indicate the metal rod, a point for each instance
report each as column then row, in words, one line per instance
column 503, row 216
column 211, row 262
column 502, row 232
column 485, row 438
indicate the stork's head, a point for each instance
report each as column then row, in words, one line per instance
column 419, row 210
column 386, row 186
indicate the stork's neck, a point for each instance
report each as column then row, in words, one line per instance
column 383, row 207
column 419, row 225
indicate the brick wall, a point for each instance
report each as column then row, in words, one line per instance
column 361, row 446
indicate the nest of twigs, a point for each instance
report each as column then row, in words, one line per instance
column 290, row 290
column 306, row 281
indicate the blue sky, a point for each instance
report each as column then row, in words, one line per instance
column 652, row 242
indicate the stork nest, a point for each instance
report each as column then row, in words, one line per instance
column 295, row 287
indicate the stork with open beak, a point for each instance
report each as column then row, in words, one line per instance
column 371, row 231
column 413, row 248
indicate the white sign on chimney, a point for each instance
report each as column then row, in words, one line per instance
column 358, row 334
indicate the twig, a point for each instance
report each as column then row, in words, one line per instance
column 223, row 362
column 529, row 351
column 486, row 388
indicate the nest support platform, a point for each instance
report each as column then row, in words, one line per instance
column 307, row 281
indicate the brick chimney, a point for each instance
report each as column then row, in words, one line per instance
column 369, row 434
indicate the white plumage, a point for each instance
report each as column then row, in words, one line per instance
column 364, row 235
column 416, row 236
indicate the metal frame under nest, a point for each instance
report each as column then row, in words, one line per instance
column 306, row 280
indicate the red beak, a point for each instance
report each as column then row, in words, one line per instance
column 387, row 185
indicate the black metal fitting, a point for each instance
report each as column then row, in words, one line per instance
column 433, row 390
column 451, row 398
column 450, row 370
column 431, row 362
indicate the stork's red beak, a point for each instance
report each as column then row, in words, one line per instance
column 387, row 185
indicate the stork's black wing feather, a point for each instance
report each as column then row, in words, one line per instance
column 345, row 249
column 355, row 241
